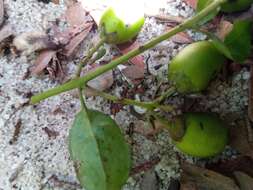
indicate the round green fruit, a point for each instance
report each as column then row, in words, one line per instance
column 115, row 29
column 205, row 135
column 193, row 67
column 236, row 5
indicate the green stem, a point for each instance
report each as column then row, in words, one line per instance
column 83, row 105
column 88, row 57
column 164, row 95
column 147, row 105
column 82, row 64
column 93, row 74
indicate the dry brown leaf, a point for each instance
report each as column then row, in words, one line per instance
column 182, row 38
column 55, row 1
column 33, row 41
column 102, row 82
column 76, row 15
column 227, row 167
column 69, row 49
column 191, row 3
column 239, row 136
column 133, row 72
column 224, row 27
column 245, row 181
column 1, row 12
column 205, row 179
column 126, row 47
column 42, row 61
column 5, row 32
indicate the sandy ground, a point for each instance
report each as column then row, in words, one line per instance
column 39, row 159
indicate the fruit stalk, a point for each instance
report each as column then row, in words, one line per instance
column 147, row 105
column 82, row 64
column 88, row 57
column 75, row 83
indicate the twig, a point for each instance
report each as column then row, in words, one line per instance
column 145, row 166
column 89, row 56
column 16, row 132
column 148, row 105
column 166, row 94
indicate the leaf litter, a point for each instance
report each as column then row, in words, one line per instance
column 76, row 36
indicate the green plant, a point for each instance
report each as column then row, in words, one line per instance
column 96, row 144
column 194, row 66
column 115, row 30
column 236, row 5
column 230, row 6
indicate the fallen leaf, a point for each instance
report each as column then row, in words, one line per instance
column 76, row 15
column 1, row 12
column 102, row 82
column 205, row 179
column 245, row 181
column 33, row 41
column 227, row 167
column 239, row 136
column 42, row 61
column 133, row 72
column 224, row 27
column 63, row 38
column 78, row 19
column 181, row 37
column 191, row 3
column 5, row 32
column 55, row 69
column 70, row 48
column 126, row 47
column 55, row 1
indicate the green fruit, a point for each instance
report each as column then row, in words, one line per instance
column 193, row 67
column 236, row 5
column 205, row 135
column 116, row 30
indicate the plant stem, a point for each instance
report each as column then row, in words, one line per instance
column 83, row 105
column 82, row 64
column 147, row 105
column 88, row 57
column 100, row 70
column 164, row 95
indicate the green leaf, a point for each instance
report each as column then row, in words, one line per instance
column 201, row 4
column 238, row 41
column 100, row 154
